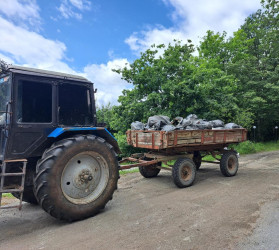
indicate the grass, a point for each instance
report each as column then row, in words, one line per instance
column 249, row 147
column 7, row 195
column 128, row 171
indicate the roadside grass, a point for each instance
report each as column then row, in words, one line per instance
column 7, row 195
column 129, row 171
column 249, row 147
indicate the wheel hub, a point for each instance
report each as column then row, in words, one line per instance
column 84, row 178
column 186, row 173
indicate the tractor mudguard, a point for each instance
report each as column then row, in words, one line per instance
column 98, row 131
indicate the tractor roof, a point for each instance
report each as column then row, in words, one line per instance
column 45, row 73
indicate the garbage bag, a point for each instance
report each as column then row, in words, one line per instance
column 186, row 122
column 202, row 124
column 168, row 128
column 177, row 120
column 156, row 122
column 231, row 125
column 217, row 123
column 193, row 127
column 183, row 123
column 137, row 125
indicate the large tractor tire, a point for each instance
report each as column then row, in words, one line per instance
column 76, row 177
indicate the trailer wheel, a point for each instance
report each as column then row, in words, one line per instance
column 150, row 171
column 197, row 159
column 76, row 177
column 229, row 164
column 184, row 172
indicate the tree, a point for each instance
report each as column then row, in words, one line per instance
column 175, row 83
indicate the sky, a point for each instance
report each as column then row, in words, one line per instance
column 92, row 37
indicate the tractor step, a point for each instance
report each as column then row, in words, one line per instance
column 12, row 188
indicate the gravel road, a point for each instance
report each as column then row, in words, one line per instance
column 215, row 213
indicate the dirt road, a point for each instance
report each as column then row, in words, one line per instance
column 215, row 213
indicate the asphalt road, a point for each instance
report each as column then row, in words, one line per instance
column 241, row 212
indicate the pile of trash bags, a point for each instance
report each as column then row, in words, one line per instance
column 191, row 122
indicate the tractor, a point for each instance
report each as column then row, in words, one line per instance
column 52, row 151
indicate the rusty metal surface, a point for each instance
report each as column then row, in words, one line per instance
column 186, row 139
column 13, row 188
column 155, row 158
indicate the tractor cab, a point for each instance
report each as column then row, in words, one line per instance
column 34, row 102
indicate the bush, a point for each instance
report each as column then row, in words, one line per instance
column 246, row 147
column 126, row 149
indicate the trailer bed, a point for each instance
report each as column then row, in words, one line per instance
column 159, row 140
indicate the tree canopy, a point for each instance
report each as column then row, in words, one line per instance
column 235, row 78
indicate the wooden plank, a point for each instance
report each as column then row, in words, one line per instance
column 162, row 139
column 175, row 138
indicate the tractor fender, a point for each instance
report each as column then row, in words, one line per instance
column 98, row 131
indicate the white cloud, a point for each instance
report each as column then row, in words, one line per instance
column 24, row 47
column 22, row 12
column 72, row 8
column 193, row 18
column 143, row 40
column 109, row 84
column 28, row 48
column 81, row 4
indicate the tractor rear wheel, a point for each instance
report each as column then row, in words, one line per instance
column 76, row 177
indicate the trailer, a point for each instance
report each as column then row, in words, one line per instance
column 182, row 152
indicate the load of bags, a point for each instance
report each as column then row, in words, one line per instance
column 191, row 122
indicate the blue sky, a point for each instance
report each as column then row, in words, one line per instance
column 91, row 37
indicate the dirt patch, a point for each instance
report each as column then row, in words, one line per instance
column 8, row 200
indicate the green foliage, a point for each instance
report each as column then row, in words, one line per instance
column 105, row 114
column 235, row 79
column 126, row 150
column 246, row 147
column 7, row 195
column 250, row 147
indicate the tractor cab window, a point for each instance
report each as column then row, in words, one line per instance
column 34, row 102
column 5, row 93
column 75, row 107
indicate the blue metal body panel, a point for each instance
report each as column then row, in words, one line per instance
column 59, row 131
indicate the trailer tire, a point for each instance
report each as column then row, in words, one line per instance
column 229, row 164
column 197, row 159
column 150, row 171
column 76, row 177
column 184, row 172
